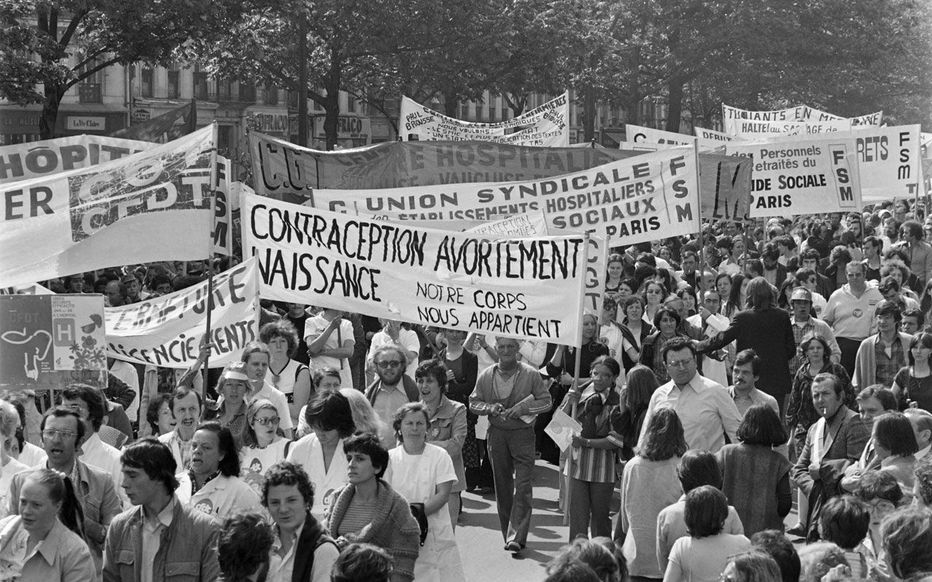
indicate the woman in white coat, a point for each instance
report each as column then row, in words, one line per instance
column 424, row 474
column 212, row 484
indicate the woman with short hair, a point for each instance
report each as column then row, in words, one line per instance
column 755, row 477
column 321, row 453
column 303, row 551
column 703, row 555
column 288, row 375
column 423, row 474
column 212, row 483
column 369, row 511
column 263, row 444
column 895, row 445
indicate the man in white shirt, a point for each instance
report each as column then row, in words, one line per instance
column 186, row 407
column 90, row 405
column 330, row 343
column 393, row 334
column 391, row 389
column 704, row 407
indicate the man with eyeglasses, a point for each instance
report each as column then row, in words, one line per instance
column 705, row 408
column 62, row 430
column 391, row 389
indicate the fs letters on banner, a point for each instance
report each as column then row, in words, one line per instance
column 53, row 156
column 526, row 288
column 166, row 331
column 152, row 206
column 631, row 200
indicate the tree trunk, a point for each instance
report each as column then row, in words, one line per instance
column 675, row 104
column 588, row 114
column 332, row 102
column 53, row 97
column 449, row 103
column 303, row 119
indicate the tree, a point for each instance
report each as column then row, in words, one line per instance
column 38, row 37
column 319, row 48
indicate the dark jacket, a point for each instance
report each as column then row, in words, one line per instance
column 407, row 383
column 312, row 537
column 769, row 333
column 187, row 551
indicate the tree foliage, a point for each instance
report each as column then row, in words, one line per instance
column 38, row 37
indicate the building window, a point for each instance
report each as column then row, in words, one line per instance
column 90, row 87
column 225, row 90
column 247, row 92
column 146, row 81
column 350, row 104
column 202, row 86
column 271, row 95
column 174, row 84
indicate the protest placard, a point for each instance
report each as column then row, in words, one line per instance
column 166, row 331
column 733, row 117
column 632, row 200
column 710, row 135
column 222, row 234
column 528, row 288
column 802, row 176
column 889, row 159
column 52, row 156
column 547, row 125
column 639, row 134
column 151, row 206
column 49, row 340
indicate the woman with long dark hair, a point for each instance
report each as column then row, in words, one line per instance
column 912, row 385
column 667, row 323
column 635, row 397
column 649, row 484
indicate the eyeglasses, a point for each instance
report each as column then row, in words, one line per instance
column 681, row 363
column 51, row 433
column 269, row 420
column 389, row 364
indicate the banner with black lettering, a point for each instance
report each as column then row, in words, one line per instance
column 527, row 288
column 889, row 159
column 799, row 120
column 166, row 331
column 547, row 125
column 710, row 135
column 52, row 156
column 802, row 176
column 224, row 193
column 151, row 206
column 632, row 200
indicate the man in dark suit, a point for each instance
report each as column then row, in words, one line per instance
column 835, row 441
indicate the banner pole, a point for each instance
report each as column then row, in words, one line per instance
column 579, row 340
column 210, row 259
column 701, row 241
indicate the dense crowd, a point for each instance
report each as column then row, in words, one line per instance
column 726, row 379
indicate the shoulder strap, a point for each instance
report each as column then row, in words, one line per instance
column 288, row 447
column 298, row 371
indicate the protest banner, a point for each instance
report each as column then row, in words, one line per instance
column 287, row 171
column 632, row 200
column 733, row 117
column 51, row 156
column 151, row 206
column 534, row 223
column 710, row 135
column 164, row 128
column 547, row 125
column 639, row 134
column 813, row 115
column 528, row 288
column 47, row 341
column 889, row 159
column 802, row 176
column 222, row 234
column 166, row 331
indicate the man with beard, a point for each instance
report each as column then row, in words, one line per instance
column 391, row 389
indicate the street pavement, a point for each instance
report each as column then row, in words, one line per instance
column 480, row 539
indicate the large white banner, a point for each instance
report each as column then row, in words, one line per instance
column 802, row 176
column 547, row 125
column 889, row 159
column 633, row 200
column 52, row 156
column 528, row 288
column 151, row 206
column 797, row 120
column 166, row 331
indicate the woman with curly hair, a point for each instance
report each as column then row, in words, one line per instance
column 263, row 444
